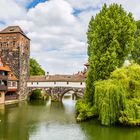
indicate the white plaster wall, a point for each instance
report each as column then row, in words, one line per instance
column 56, row 84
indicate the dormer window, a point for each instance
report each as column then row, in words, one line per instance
column 14, row 43
column 11, row 30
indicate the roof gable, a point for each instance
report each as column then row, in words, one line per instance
column 13, row 29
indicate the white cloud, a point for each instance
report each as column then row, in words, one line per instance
column 58, row 38
column 10, row 10
column 84, row 4
column 56, row 35
column 132, row 6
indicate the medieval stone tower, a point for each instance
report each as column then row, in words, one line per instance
column 15, row 51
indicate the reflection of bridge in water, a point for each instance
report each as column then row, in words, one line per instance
column 57, row 85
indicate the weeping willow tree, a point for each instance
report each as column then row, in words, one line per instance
column 110, row 39
column 118, row 98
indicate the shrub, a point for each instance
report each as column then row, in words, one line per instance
column 118, row 98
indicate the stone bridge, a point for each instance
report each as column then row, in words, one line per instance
column 57, row 85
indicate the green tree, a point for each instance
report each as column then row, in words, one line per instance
column 135, row 54
column 35, row 68
column 117, row 99
column 110, row 40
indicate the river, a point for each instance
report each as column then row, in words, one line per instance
column 55, row 121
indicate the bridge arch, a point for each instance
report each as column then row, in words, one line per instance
column 44, row 95
column 57, row 93
column 74, row 94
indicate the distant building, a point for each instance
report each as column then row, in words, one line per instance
column 15, row 51
column 87, row 65
column 7, row 92
column 84, row 72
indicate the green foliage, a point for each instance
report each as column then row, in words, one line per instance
column 39, row 95
column 118, row 98
column 89, row 90
column 84, row 111
column 135, row 54
column 35, row 68
column 110, row 40
column 36, row 94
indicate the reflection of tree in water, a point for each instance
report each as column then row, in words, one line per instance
column 2, row 111
column 37, row 102
column 93, row 130
column 56, row 111
column 13, row 124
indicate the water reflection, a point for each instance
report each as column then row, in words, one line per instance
column 55, row 121
column 93, row 130
column 39, row 120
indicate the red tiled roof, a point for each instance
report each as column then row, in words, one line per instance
column 12, row 77
column 86, row 64
column 57, row 78
column 4, row 67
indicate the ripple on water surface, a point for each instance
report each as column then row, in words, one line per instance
column 55, row 121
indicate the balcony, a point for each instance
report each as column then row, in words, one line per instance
column 3, row 77
column 3, row 87
column 12, row 88
column 11, row 97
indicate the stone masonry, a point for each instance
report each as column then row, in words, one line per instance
column 15, row 52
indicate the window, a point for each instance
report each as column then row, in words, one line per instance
column 81, row 83
column 31, row 83
column 11, row 29
column 37, row 83
column 67, row 83
column 14, row 43
column 7, row 37
column 9, row 84
column 54, row 83
column 2, row 82
column 14, row 84
column 4, row 44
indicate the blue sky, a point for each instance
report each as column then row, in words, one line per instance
column 57, row 28
column 33, row 3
